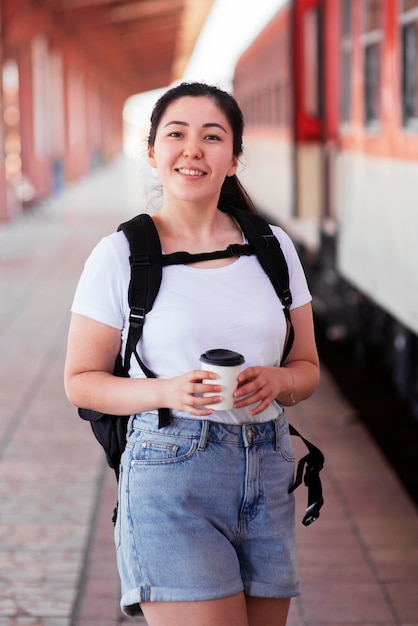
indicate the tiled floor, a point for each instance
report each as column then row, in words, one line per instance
column 358, row 562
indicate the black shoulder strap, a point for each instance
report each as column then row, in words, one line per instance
column 146, row 275
column 271, row 258
column 145, row 260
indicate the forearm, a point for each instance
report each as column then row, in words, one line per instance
column 103, row 392
column 298, row 381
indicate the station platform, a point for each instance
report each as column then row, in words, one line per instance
column 358, row 561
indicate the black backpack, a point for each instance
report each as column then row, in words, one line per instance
column 147, row 262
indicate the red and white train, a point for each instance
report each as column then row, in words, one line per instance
column 329, row 90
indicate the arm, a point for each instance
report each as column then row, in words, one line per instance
column 89, row 382
column 296, row 380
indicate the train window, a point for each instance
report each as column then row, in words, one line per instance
column 373, row 15
column 407, row 5
column 409, row 39
column 372, row 38
column 346, row 56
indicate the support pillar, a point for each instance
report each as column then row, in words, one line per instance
column 34, row 115
column 3, row 203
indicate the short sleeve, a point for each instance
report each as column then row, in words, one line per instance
column 101, row 292
column 297, row 279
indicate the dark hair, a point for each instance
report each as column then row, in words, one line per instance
column 232, row 192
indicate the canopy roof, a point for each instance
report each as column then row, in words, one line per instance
column 140, row 44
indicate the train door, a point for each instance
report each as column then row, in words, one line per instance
column 315, row 42
column 308, row 109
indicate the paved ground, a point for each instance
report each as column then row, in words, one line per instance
column 359, row 561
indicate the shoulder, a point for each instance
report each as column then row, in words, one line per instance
column 108, row 264
column 110, row 249
column 101, row 293
column 285, row 241
column 297, row 279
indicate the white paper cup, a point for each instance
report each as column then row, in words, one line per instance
column 227, row 364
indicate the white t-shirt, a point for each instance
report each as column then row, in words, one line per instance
column 196, row 309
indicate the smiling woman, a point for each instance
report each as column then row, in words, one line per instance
column 190, row 489
column 192, row 159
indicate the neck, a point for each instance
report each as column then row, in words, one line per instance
column 189, row 219
column 194, row 231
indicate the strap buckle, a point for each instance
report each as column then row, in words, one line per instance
column 140, row 259
column 312, row 512
column 137, row 317
column 287, row 298
column 270, row 241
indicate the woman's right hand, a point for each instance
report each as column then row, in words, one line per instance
column 185, row 393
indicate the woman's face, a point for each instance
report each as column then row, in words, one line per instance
column 193, row 150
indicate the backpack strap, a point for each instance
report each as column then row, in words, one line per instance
column 314, row 462
column 184, row 258
column 271, row 258
column 146, row 276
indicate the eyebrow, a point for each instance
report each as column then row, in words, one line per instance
column 207, row 125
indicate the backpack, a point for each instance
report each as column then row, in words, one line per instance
column 147, row 262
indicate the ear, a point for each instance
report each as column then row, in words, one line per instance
column 151, row 157
column 233, row 169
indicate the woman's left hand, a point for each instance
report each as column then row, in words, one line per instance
column 259, row 384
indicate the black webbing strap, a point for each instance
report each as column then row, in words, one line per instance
column 185, row 258
column 314, row 462
column 272, row 260
column 146, row 275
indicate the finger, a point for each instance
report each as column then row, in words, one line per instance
column 248, row 374
column 248, row 388
column 259, row 408
column 196, row 375
column 198, row 405
column 203, row 401
column 259, row 396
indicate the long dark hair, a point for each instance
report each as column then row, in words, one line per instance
column 232, row 191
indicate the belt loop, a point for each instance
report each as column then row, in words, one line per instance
column 203, row 435
column 244, row 432
column 277, row 423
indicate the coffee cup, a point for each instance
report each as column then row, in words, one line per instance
column 227, row 364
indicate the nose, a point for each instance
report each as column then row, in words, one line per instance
column 192, row 150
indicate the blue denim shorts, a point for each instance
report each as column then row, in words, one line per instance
column 204, row 511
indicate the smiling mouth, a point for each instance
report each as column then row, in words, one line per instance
column 188, row 172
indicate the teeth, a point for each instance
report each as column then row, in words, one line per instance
column 191, row 172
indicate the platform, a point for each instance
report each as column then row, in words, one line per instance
column 358, row 562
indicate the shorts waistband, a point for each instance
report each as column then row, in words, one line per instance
column 243, row 435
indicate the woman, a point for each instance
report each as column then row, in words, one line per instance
column 205, row 530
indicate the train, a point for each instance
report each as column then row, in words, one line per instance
column 329, row 91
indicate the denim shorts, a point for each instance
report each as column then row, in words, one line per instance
column 204, row 511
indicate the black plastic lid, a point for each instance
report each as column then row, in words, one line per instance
column 221, row 356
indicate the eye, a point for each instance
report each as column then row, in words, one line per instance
column 213, row 137
column 175, row 133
